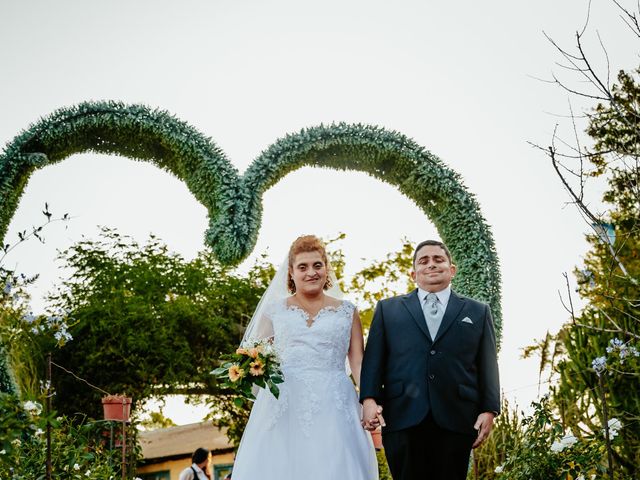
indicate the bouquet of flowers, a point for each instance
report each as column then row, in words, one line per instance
column 254, row 363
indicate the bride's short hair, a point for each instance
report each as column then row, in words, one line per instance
column 307, row 243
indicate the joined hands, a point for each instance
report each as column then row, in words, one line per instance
column 372, row 415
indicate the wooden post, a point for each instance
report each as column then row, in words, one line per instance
column 124, row 438
column 48, row 405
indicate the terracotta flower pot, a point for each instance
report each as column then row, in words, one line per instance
column 376, row 435
column 116, row 407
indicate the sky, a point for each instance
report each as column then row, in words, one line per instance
column 463, row 79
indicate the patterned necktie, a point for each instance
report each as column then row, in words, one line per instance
column 432, row 314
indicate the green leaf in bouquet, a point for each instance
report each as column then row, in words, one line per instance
column 273, row 388
column 238, row 402
column 246, row 390
column 277, row 379
column 259, row 381
column 220, row 371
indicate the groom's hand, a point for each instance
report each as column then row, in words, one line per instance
column 371, row 414
column 483, row 425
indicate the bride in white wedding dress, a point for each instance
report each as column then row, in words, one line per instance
column 312, row 430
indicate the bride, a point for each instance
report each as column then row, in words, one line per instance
column 312, row 430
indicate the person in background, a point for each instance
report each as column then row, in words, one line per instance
column 199, row 466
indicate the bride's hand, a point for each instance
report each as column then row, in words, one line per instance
column 371, row 415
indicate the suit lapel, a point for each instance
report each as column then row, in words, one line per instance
column 412, row 303
column 453, row 310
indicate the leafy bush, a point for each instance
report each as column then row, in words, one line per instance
column 79, row 449
column 546, row 451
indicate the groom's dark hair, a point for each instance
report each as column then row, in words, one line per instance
column 431, row 242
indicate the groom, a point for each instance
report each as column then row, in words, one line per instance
column 431, row 363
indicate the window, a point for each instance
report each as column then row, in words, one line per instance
column 163, row 475
column 222, row 470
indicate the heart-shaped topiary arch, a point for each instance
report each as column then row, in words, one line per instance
column 234, row 201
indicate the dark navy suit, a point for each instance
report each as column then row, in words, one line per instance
column 446, row 382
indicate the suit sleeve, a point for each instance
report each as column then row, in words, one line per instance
column 488, row 368
column 374, row 359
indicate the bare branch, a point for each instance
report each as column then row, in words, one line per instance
column 570, row 308
column 592, row 74
column 606, row 330
column 586, row 21
column 629, row 18
column 579, row 150
column 576, row 92
column 576, row 198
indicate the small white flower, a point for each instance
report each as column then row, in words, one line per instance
column 3, row 452
column 564, row 442
column 568, row 440
column 87, row 473
column 76, row 467
column 499, row 469
column 16, row 442
column 39, row 432
column 557, row 447
column 580, row 477
column 34, row 408
column 614, row 426
column 599, row 364
column 616, row 342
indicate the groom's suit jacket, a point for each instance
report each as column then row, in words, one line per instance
column 454, row 376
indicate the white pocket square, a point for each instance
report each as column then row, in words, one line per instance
column 467, row 320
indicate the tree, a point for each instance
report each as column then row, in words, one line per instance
column 381, row 279
column 18, row 354
column 598, row 367
column 145, row 322
column 609, row 283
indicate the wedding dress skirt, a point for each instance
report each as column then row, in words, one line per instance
column 312, row 431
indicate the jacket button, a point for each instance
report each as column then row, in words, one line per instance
column 432, row 352
column 432, row 376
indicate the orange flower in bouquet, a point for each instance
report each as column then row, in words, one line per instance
column 260, row 361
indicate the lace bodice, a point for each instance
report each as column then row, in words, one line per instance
column 312, row 359
column 322, row 345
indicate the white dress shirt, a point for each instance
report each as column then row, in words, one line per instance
column 443, row 296
column 187, row 473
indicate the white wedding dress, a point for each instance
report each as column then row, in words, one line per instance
column 312, row 431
